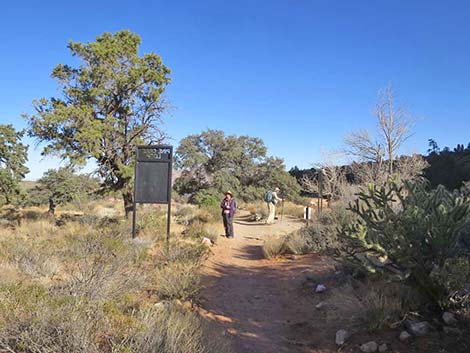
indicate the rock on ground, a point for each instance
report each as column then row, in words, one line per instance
column 419, row 328
column 383, row 347
column 404, row 336
column 449, row 318
column 369, row 347
column 341, row 337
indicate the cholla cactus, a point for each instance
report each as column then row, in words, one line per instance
column 413, row 228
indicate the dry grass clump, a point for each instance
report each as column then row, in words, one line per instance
column 291, row 209
column 87, row 287
column 294, row 243
column 35, row 322
column 372, row 305
column 214, row 231
column 178, row 280
column 257, row 208
column 274, row 246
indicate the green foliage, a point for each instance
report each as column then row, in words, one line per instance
column 62, row 186
column 13, row 156
column 213, row 163
column 417, row 229
column 109, row 103
column 207, row 197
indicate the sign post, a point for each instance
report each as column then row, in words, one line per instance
column 152, row 181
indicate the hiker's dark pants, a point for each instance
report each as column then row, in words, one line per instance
column 228, row 225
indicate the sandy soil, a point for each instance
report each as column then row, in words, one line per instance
column 261, row 303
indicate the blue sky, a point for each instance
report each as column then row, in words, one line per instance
column 298, row 73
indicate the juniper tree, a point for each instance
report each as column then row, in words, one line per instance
column 13, row 156
column 109, row 103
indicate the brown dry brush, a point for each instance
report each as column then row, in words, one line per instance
column 88, row 291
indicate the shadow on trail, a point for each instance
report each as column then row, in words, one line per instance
column 251, row 252
column 263, row 304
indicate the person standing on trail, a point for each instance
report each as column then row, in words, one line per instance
column 272, row 199
column 229, row 207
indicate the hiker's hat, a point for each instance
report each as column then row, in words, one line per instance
column 228, row 193
column 277, row 189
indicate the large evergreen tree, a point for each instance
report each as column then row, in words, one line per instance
column 212, row 162
column 13, row 156
column 109, row 103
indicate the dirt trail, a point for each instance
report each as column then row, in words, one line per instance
column 261, row 303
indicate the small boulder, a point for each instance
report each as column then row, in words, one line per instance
column 320, row 288
column 449, row 318
column 341, row 337
column 369, row 347
column 383, row 348
column 404, row 336
column 419, row 328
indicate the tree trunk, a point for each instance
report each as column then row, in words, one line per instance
column 51, row 206
column 128, row 202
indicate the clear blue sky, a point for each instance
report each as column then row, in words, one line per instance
column 297, row 73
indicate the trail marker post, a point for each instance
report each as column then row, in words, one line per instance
column 152, row 181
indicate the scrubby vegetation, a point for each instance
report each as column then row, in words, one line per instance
column 419, row 231
column 85, row 286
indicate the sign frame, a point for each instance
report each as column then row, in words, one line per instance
column 156, row 158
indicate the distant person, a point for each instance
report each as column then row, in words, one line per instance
column 272, row 198
column 229, row 207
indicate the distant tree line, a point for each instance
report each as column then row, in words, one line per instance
column 446, row 166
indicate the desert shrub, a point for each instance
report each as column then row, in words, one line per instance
column 213, row 231
column 296, row 243
column 34, row 259
column 207, row 198
column 380, row 308
column 97, row 295
column 257, row 208
column 322, row 232
column 181, row 252
column 195, row 230
column 371, row 305
column 33, row 321
column 172, row 330
column 152, row 223
column 416, row 229
column 207, row 214
column 454, row 277
column 100, row 265
column 178, row 280
column 184, row 215
column 274, row 246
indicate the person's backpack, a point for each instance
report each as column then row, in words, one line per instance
column 268, row 196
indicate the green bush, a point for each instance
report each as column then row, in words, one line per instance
column 420, row 231
column 207, row 198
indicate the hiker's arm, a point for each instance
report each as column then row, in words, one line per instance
column 277, row 197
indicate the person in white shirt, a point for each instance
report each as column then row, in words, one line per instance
column 272, row 205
